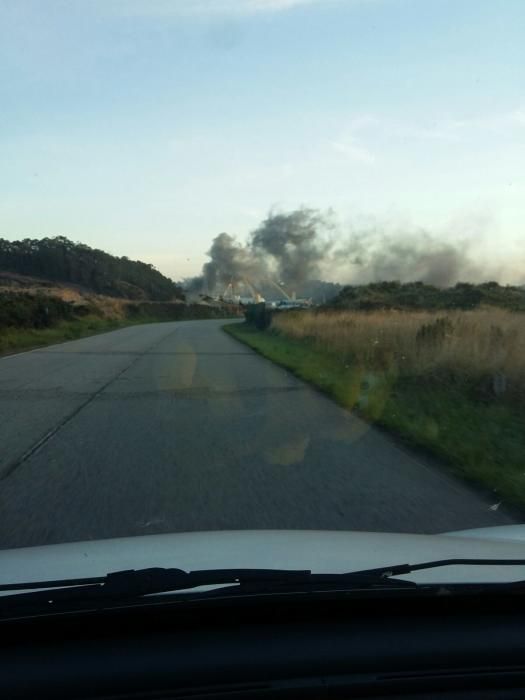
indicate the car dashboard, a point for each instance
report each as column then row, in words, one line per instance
column 272, row 646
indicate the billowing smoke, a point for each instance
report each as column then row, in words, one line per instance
column 373, row 256
column 230, row 262
column 295, row 248
column 293, row 244
column 287, row 249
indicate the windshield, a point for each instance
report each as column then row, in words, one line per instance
column 261, row 277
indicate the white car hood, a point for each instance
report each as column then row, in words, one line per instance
column 287, row 549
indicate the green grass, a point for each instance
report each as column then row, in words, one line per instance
column 18, row 339
column 481, row 442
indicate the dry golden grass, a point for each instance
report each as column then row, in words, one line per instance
column 102, row 306
column 487, row 343
column 452, row 383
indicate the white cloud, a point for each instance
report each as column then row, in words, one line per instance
column 203, row 7
column 455, row 129
column 353, row 150
column 349, row 142
column 452, row 130
column 517, row 116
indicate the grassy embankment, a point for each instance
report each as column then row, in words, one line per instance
column 17, row 339
column 450, row 382
column 35, row 320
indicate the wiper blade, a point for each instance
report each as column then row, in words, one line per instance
column 401, row 569
column 136, row 583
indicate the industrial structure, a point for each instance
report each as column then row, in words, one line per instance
column 244, row 292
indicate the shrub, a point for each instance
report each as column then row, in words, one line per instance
column 19, row 310
column 258, row 315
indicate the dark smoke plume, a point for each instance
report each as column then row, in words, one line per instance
column 294, row 244
column 286, row 248
column 292, row 249
column 230, row 262
column 373, row 256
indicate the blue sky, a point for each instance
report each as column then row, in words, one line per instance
column 146, row 127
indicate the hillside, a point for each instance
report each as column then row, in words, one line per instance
column 417, row 295
column 53, row 290
column 61, row 260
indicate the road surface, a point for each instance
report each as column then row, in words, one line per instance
column 177, row 427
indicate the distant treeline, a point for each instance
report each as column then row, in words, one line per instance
column 417, row 295
column 61, row 260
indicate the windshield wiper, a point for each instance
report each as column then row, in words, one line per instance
column 134, row 584
column 400, row 569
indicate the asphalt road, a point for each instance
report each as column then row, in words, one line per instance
column 177, row 427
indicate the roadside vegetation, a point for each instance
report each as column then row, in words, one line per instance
column 32, row 320
column 413, row 296
column 52, row 290
column 451, row 382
